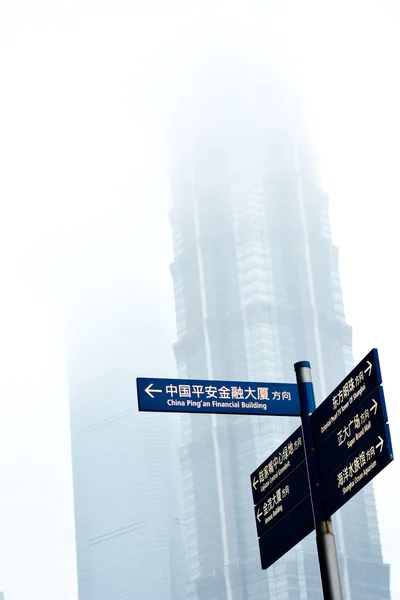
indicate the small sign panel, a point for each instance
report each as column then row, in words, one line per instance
column 220, row 397
column 277, row 466
column 281, row 500
column 370, row 458
column 366, row 422
column 286, row 533
column 359, row 384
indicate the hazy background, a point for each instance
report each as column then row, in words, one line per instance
column 86, row 89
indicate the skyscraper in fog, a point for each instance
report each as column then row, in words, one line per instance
column 125, row 467
column 257, row 288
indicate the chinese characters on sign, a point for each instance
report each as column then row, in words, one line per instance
column 281, row 494
column 356, row 385
column 359, row 469
column 235, row 392
column 217, row 397
column 280, row 501
column 281, row 538
column 351, row 444
column 351, row 470
column 353, row 390
column 360, row 422
column 367, row 421
column 348, row 443
column 273, row 470
column 351, row 435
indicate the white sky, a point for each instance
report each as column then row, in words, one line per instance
column 79, row 137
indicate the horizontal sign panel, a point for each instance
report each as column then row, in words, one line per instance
column 220, row 397
column 354, row 427
column 351, row 392
column 277, row 466
column 282, row 499
column 286, row 533
column 362, row 466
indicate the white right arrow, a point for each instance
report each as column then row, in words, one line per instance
column 380, row 444
column 150, row 391
column 259, row 514
column 374, row 406
column 255, row 481
column 369, row 368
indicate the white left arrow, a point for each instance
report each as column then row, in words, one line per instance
column 380, row 445
column 369, row 368
column 259, row 514
column 150, row 391
column 255, row 481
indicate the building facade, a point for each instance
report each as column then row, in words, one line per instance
column 125, row 467
column 257, row 288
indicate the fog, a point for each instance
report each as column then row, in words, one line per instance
column 88, row 90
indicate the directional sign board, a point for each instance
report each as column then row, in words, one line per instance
column 353, row 428
column 282, row 499
column 286, row 533
column 349, row 444
column 351, row 435
column 373, row 455
column 362, row 380
column 281, row 495
column 222, row 397
column 273, row 471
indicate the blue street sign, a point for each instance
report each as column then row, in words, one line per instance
column 286, row 533
column 352, row 428
column 222, row 397
column 348, row 443
column 281, row 500
column 277, row 466
column 361, row 382
column 373, row 455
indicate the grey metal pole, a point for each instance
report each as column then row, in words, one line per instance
column 328, row 561
column 327, row 555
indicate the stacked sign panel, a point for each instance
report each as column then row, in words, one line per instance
column 351, row 435
column 351, row 444
column 281, row 495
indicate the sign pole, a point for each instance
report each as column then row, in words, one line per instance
column 327, row 554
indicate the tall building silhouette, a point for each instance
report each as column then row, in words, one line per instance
column 125, row 467
column 257, row 288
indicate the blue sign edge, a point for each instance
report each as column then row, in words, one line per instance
column 353, row 453
column 308, row 493
column 222, row 411
column 390, row 457
column 319, row 449
column 270, row 457
column 309, row 530
column 292, row 384
column 379, row 389
column 374, row 351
